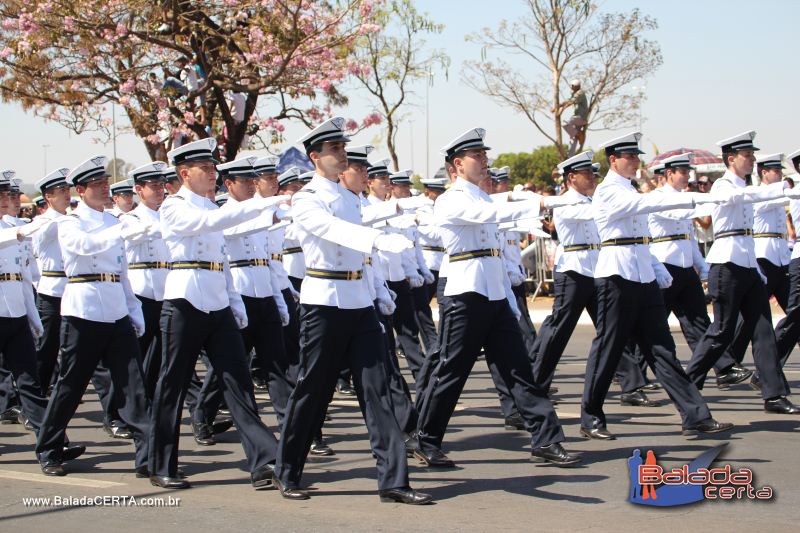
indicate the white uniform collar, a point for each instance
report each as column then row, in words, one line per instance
column 51, row 213
column 613, row 177
column 669, row 188
column 465, row 185
column 733, row 178
column 572, row 193
column 193, row 198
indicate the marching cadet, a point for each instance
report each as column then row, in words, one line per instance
column 404, row 320
column 122, row 195
column 674, row 245
column 630, row 305
column 246, row 248
column 12, row 218
column 430, row 253
column 772, row 250
column 202, row 310
column 293, row 258
column 479, row 313
column 787, row 332
column 19, row 320
column 101, row 319
column 354, row 179
column 148, row 264
column 53, row 280
column 735, row 281
column 340, row 327
column 575, row 260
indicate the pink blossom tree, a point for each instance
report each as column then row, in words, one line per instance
column 232, row 69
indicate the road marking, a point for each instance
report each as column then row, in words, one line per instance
column 66, row 480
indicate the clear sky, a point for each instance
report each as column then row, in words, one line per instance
column 728, row 67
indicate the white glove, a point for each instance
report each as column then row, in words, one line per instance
column 392, row 242
column 272, row 201
column 285, row 318
column 794, row 193
column 416, row 281
column 428, row 275
column 283, row 212
column 241, row 318
column 133, row 231
column 664, row 279
column 38, row 223
column 154, row 230
column 559, row 201
column 36, row 327
column 704, row 273
column 523, row 195
column 386, row 307
column 516, row 278
column 138, row 326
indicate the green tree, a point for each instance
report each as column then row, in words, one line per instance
column 535, row 167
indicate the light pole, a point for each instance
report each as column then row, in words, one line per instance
column 45, row 147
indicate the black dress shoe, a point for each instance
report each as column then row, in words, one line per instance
column 552, row 390
column 734, row 375
column 143, row 472
column 224, row 411
column 166, row 482
column 70, row 453
column 650, row 386
column 515, row 422
column 707, row 426
column 289, row 493
column 221, row 426
column 636, row 398
column 11, row 415
column 320, row 449
column 597, row 433
column 434, row 459
column 25, row 421
column 755, row 383
column 405, row 495
column 781, row 405
column 262, row 477
column 203, row 434
column 345, row 389
column 118, row 431
column 53, row 469
column 554, row 454
column 260, row 384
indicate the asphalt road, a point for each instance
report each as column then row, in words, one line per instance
column 495, row 486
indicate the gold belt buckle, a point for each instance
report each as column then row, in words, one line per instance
column 495, row 253
column 106, row 277
column 216, row 267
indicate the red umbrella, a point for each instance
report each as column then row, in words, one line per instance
column 699, row 157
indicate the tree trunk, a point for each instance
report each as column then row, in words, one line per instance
column 390, row 143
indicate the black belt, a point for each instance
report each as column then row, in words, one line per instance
column 462, row 256
column 334, row 274
column 11, row 277
column 733, row 233
column 666, row 238
column 433, row 249
column 197, row 265
column 277, row 257
column 249, row 263
column 626, row 241
column 775, row 235
column 87, row 278
column 54, row 274
column 294, row 250
column 151, row 264
column 579, row 247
